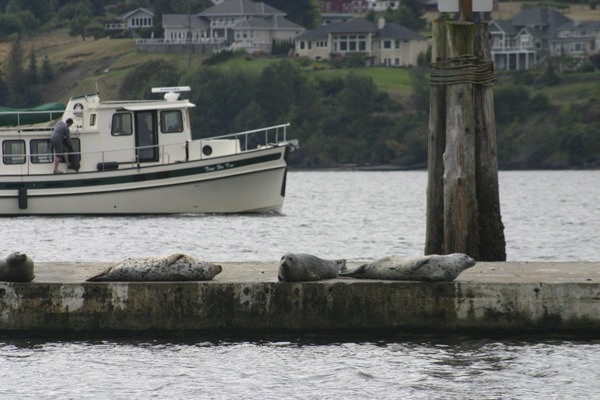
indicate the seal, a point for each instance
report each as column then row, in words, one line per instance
column 306, row 267
column 175, row 267
column 16, row 267
column 432, row 268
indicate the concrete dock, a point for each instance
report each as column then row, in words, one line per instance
column 246, row 298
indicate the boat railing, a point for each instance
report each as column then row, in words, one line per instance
column 11, row 120
column 256, row 138
column 170, row 153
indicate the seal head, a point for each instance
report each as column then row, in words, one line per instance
column 306, row 267
column 17, row 267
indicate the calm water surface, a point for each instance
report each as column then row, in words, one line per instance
column 355, row 215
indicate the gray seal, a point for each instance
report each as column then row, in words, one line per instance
column 306, row 267
column 175, row 267
column 17, row 267
column 432, row 268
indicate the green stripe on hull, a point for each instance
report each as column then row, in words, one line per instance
column 138, row 177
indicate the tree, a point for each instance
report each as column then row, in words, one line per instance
column 409, row 14
column 78, row 25
column 33, row 90
column 47, row 70
column 15, row 74
column 10, row 24
column 306, row 13
column 138, row 83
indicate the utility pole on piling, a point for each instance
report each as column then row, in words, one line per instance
column 463, row 206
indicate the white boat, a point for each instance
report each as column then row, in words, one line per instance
column 138, row 157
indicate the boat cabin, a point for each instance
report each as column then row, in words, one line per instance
column 111, row 135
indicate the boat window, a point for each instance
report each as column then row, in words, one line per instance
column 171, row 121
column 13, row 152
column 93, row 120
column 40, row 151
column 121, row 125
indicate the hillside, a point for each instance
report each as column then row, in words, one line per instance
column 81, row 65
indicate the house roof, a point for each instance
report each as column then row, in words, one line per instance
column 141, row 10
column 544, row 18
column 182, row 20
column 397, row 31
column 356, row 25
column 504, row 25
column 271, row 23
column 240, row 7
column 571, row 25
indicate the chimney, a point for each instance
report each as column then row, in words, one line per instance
column 380, row 23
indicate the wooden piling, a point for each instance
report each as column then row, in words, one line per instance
column 434, row 235
column 463, row 205
column 461, row 229
column 492, row 244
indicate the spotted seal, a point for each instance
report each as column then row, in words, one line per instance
column 432, row 268
column 306, row 267
column 16, row 267
column 175, row 267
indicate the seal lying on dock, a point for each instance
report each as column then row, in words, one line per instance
column 17, row 267
column 432, row 268
column 176, row 267
column 306, row 267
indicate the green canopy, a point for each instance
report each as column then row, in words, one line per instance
column 27, row 116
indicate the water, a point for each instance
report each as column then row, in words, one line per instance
column 548, row 215
column 354, row 215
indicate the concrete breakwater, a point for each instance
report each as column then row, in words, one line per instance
column 246, row 298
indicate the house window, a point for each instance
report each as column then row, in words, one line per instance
column 121, row 125
column 396, row 61
column 397, row 44
column 171, row 121
column 13, row 152
column 93, row 120
column 302, row 45
column 387, row 44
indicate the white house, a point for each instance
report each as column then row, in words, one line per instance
column 237, row 24
column 539, row 34
column 378, row 43
column 135, row 19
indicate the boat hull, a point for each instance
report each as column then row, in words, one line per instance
column 249, row 182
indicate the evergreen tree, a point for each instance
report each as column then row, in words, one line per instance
column 47, row 70
column 15, row 74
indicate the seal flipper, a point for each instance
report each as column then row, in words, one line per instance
column 174, row 257
column 358, row 272
column 100, row 277
column 418, row 265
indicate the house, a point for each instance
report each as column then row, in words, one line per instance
column 182, row 28
column 383, row 5
column 135, row 19
column 379, row 43
column 577, row 40
column 345, row 6
column 232, row 24
column 532, row 37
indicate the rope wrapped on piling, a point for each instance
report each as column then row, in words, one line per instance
column 462, row 69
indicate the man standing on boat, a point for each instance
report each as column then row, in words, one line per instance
column 61, row 139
